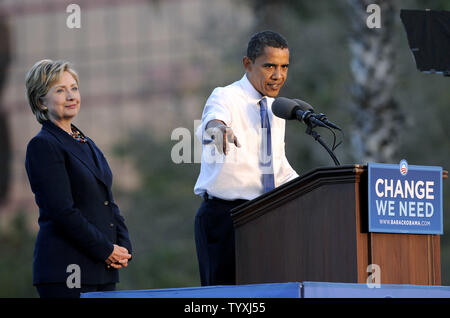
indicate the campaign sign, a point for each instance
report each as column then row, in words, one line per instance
column 405, row 198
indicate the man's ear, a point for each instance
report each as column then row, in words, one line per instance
column 248, row 63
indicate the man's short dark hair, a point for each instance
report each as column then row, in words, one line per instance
column 262, row 39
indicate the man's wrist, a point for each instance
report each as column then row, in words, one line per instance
column 215, row 123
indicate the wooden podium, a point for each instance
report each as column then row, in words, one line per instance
column 315, row 228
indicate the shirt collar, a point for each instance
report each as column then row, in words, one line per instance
column 254, row 95
column 249, row 89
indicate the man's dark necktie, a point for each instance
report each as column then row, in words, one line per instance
column 266, row 149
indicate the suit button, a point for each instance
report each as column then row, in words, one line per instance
column 106, row 203
column 111, row 225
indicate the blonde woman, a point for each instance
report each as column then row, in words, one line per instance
column 82, row 239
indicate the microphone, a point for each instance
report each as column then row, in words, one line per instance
column 295, row 109
column 325, row 120
column 303, row 105
column 322, row 117
column 285, row 104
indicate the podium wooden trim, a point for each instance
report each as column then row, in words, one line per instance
column 315, row 228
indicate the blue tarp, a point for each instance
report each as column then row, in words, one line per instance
column 284, row 290
column 341, row 290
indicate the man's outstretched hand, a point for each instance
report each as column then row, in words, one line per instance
column 222, row 136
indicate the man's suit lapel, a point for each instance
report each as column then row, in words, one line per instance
column 70, row 144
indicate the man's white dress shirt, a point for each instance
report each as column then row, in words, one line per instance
column 238, row 175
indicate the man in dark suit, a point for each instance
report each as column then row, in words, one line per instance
column 81, row 230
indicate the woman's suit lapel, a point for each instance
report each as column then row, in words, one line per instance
column 70, row 145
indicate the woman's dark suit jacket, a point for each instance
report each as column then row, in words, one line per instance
column 78, row 219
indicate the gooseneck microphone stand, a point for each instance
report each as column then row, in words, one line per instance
column 316, row 136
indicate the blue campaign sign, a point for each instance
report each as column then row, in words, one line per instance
column 405, row 198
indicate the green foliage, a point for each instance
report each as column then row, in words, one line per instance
column 159, row 216
column 16, row 248
column 432, row 4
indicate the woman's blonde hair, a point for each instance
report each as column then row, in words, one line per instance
column 39, row 79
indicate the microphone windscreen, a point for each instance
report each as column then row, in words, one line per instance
column 284, row 108
column 303, row 105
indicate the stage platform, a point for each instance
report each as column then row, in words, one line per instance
column 284, row 290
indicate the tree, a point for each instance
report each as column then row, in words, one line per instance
column 5, row 145
column 378, row 116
